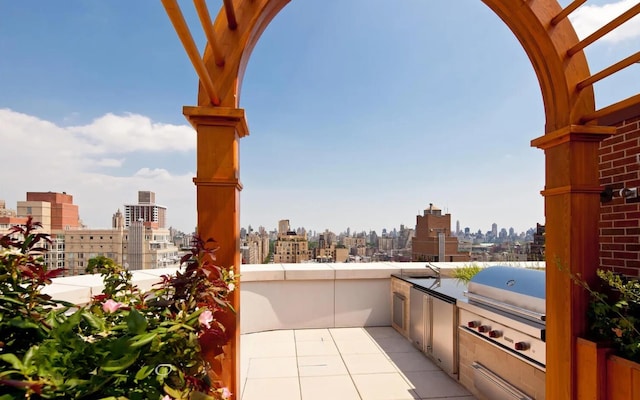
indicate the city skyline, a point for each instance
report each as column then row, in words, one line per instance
column 342, row 133
column 378, row 230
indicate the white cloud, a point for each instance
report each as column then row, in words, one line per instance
column 156, row 173
column 589, row 18
column 41, row 156
column 133, row 132
column 110, row 162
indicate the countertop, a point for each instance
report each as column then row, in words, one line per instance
column 450, row 290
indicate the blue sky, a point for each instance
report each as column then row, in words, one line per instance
column 360, row 114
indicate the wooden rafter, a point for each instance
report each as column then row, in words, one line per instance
column 231, row 14
column 180, row 25
column 634, row 58
column 207, row 27
column 624, row 17
column 566, row 11
column 604, row 112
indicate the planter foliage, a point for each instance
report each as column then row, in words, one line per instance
column 125, row 344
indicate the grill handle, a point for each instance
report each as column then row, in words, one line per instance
column 532, row 315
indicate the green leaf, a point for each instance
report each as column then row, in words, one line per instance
column 21, row 323
column 9, row 372
column 13, row 360
column 143, row 372
column 93, row 321
column 122, row 363
column 26, row 359
column 141, row 340
column 12, row 300
column 172, row 392
column 200, row 396
column 179, row 326
column 195, row 315
column 136, row 322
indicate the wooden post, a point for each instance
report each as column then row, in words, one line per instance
column 572, row 209
column 218, row 203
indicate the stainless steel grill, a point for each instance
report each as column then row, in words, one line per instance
column 506, row 306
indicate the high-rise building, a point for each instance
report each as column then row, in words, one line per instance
column 255, row 247
column 290, row 247
column 147, row 211
column 64, row 214
column 433, row 240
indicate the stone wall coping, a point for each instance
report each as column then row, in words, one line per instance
column 80, row 289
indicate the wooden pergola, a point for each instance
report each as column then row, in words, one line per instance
column 570, row 142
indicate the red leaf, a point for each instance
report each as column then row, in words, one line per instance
column 36, row 387
column 212, row 340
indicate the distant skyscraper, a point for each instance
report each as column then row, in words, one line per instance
column 457, row 227
column 146, row 210
column 283, row 226
column 494, row 229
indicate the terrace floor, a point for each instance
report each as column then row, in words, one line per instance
column 373, row 363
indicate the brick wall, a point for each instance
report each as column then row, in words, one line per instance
column 620, row 218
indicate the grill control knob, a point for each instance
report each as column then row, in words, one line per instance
column 484, row 329
column 522, row 346
column 495, row 334
column 473, row 324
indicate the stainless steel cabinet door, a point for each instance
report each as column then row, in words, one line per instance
column 416, row 318
column 443, row 327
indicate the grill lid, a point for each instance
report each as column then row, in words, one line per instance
column 516, row 290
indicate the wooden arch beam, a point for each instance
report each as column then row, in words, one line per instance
column 529, row 21
column 571, row 166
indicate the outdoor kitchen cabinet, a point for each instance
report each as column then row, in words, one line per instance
column 432, row 328
column 419, row 320
column 443, row 335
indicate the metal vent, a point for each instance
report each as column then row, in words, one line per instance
column 398, row 310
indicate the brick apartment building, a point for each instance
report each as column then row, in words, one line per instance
column 433, row 240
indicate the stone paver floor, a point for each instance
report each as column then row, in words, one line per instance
column 374, row 363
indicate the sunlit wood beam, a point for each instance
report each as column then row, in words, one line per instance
column 624, row 17
column 604, row 112
column 231, row 14
column 632, row 59
column 566, row 11
column 207, row 27
column 180, row 25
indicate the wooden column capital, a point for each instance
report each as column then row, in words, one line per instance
column 217, row 116
column 573, row 133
